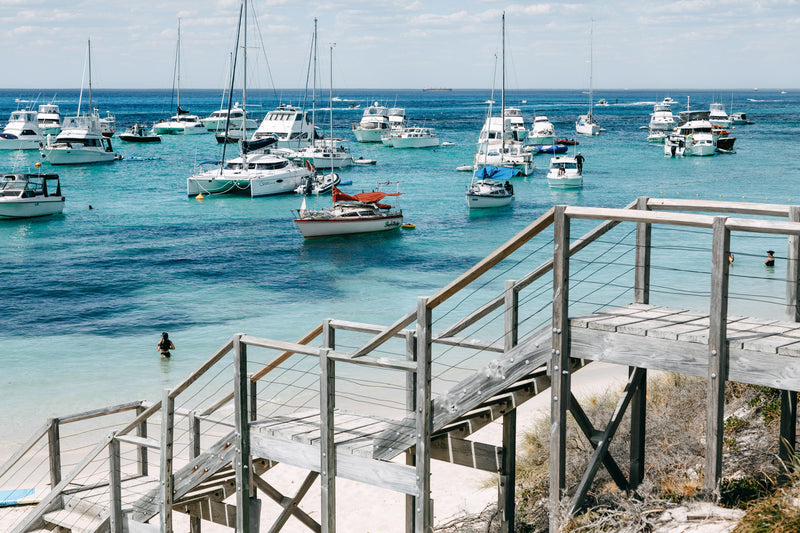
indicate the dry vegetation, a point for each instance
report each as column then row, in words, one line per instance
column 754, row 478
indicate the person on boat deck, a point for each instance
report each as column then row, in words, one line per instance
column 579, row 159
column 562, row 170
column 165, row 345
column 770, row 260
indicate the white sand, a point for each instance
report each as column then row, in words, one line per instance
column 456, row 490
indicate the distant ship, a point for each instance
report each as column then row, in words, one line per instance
column 437, row 89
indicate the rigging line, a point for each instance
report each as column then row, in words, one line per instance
column 266, row 57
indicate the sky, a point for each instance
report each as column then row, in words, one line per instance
column 396, row 44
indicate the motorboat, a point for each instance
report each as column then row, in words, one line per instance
column 30, row 195
column 602, row 101
column 81, row 141
column 662, row 121
column 318, row 183
column 693, row 136
column 717, row 115
column 515, row 124
column 219, row 120
column 490, row 188
column 108, row 124
column 740, row 119
column 349, row 215
column 507, row 155
column 21, row 132
column 374, row 124
column 253, row 174
column 542, row 132
column 564, row 173
column 291, row 126
column 568, row 142
column 723, row 140
column 325, row 153
column 182, row 122
column 397, row 118
column 414, row 137
column 587, row 124
column 139, row 134
column 49, row 119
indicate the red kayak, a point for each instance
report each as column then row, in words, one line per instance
column 568, row 142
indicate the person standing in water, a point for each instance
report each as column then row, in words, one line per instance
column 770, row 260
column 165, row 345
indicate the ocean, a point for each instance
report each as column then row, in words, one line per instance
column 87, row 294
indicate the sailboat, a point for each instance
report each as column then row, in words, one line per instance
column 495, row 148
column 324, row 153
column 182, row 122
column 81, row 140
column 586, row 124
column 253, row 172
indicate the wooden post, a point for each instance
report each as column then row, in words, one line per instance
column 559, row 364
column 141, row 451
column 167, row 434
column 253, row 397
column 114, row 487
column 639, row 401
column 54, row 450
column 411, row 405
column 195, row 522
column 788, row 428
column 717, row 353
column 423, row 521
column 506, row 497
column 327, row 444
column 241, row 397
column 511, row 316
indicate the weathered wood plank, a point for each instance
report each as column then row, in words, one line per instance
column 744, row 208
column 676, row 219
column 423, row 423
column 476, row 344
column 468, row 453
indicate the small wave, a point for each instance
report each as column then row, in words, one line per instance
column 754, row 100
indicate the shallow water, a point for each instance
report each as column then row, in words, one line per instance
column 87, row 294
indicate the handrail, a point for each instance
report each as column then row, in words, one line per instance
column 776, row 210
column 310, row 336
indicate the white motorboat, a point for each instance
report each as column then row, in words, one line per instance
column 182, row 122
column 564, row 173
column 81, row 141
column 139, row 134
column 318, row 183
column 374, row 124
column 21, row 132
column 602, row 102
column 108, row 124
column 515, row 124
column 662, row 121
column 694, row 132
column 49, row 119
column 490, row 188
column 542, row 132
column 291, row 126
column 586, row 124
column 30, row 195
column 218, row 120
column 414, row 137
column 717, row 115
column 740, row 119
column 326, row 153
column 349, row 215
column 397, row 118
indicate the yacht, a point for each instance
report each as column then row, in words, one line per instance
column 349, row 215
column 515, row 125
column 586, row 124
column 542, row 132
column 217, row 120
column 495, row 151
column 662, row 121
column 260, row 174
column 374, row 124
column 564, row 173
column 397, row 118
column 49, row 119
column 740, row 119
column 21, row 132
column 413, row 137
column 81, row 141
column 108, row 124
column 324, row 154
column 490, row 188
column 290, row 125
column 30, row 195
column 718, row 116
column 693, row 136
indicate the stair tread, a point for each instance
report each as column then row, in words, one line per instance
column 76, row 522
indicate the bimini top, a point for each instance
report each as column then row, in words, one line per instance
column 365, row 197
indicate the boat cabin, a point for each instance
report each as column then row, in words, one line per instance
column 29, row 185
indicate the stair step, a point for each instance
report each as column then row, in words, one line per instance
column 74, row 522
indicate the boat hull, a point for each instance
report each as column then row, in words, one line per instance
column 399, row 142
column 19, row 144
column 71, row 156
column 476, row 201
column 30, row 207
column 368, row 136
column 565, row 182
column 332, row 227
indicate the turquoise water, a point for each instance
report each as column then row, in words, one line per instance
column 87, row 294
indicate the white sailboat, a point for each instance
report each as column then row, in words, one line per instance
column 586, row 124
column 252, row 172
column 182, row 122
column 81, row 140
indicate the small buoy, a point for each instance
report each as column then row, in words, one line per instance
column 38, row 164
column 199, row 197
column 408, row 225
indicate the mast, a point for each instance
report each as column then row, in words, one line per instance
column 330, row 99
column 591, row 98
column 178, row 67
column 314, row 90
column 503, row 90
column 244, row 71
column 90, row 76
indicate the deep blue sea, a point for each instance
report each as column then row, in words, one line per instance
column 86, row 294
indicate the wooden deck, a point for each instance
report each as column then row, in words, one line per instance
column 762, row 352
